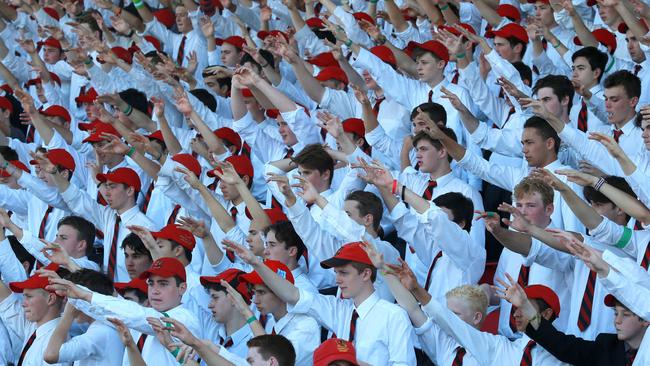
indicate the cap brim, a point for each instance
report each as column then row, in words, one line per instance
column 157, row 272
column 334, row 262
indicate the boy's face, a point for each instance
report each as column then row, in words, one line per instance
column 544, row 13
column 505, row 50
column 351, row 208
column 68, row 238
column 133, row 296
column 165, row 248
column 645, row 126
column 265, row 300
column 628, row 325
column 533, row 209
column 608, row 14
column 428, row 67
column 428, row 156
column 350, row 281
column 51, row 55
column 288, row 137
column 535, row 147
column 229, row 191
column 230, row 56
column 183, row 23
column 221, row 306
column 315, row 177
column 462, row 308
column 164, row 294
column 618, row 105
column 36, row 303
column 606, row 209
column 136, row 263
column 634, row 47
column 254, row 239
column 254, row 358
column 550, row 101
column 117, row 195
column 583, row 72
column 520, row 322
column 277, row 250
column 92, row 111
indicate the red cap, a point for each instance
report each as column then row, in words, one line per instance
column 604, row 37
column 236, row 41
column 123, row 54
column 234, row 277
column 272, row 113
column 385, row 54
column 165, row 16
column 242, row 165
column 59, row 157
column 323, row 60
column 35, row 81
column 174, row 232
column 228, row 134
column 89, row 97
column 98, row 129
column 511, row 12
column 7, row 88
column 275, row 33
column 335, row 349
column 156, row 135
column 52, row 13
column 34, row 282
column 355, row 126
column 135, row 284
column 278, row 267
column 189, row 162
column 315, row 22
column 5, row 104
column 275, row 215
column 57, row 111
column 512, row 30
column 350, row 252
column 154, row 42
column 363, row 16
column 126, row 176
column 455, row 31
column 165, row 267
column 436, row 47
column 332, row 72
column 546, row 294
column 52, row 42
column 18, row 164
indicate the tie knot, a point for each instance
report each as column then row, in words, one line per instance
column 433, row 184
column 617, row 134
column 233, row 210
column 531, row 344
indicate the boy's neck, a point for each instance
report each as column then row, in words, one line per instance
column 280, row 313
column 635, row 342
column 234, row 323
column 441, row 171
column 47, row 318
column 363, row 295
column 125, row 208
column 435, row 80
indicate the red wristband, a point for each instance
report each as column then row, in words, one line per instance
column 394, row 186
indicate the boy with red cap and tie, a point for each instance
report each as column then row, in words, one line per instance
column 173, row 241
column 234, row 331
column 302, row 330
column 359, row 315
column 166, row 281
column 32, row 317
column 122, row 188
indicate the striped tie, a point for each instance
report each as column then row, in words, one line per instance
column 522, row 280
column 353, row 325
column 427, row 283
column 582, row 117
column 140, row 344
column 460, row 354
column 112, row 255
column 584, row 318
column 527, row 357
column 428, row 192
column 23, row 353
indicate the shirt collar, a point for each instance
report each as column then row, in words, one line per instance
column 238, row 336
column 282, row 322
column 47, row 327
column 366, row 306
column 445, row 179
column 129, row 213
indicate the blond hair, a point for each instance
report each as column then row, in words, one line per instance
column 530, row 185
column 475, row 297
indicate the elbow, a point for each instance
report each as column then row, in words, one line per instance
column 51, row 356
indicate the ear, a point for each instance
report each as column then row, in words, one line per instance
column 477, row 318
column 597, row 73
column 246, row 179
column 462, row 224
column 51, row 298
column 130, row 191
column 565, row 101
column 547, row 314
column 326, row 175
column 181, row 288
column 360, row 141
column 179, row 251
column 549, row 209
column 634, row 101
column 441, row 64
column 518, row 48
column 82, row 245
column 293, row 251
column 549, row 143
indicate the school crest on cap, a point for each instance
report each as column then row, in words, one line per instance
column 342, row 346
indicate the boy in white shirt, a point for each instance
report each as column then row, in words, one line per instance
column 380, row 330
column 301, row 330
column 100, row 344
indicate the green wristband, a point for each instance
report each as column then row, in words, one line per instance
column 444, row 7
column 139, row 4
column 557, row 45
column 131, row 151
column 89, row 61
column 348, row 43
column 460, row 55
column 251, row 319
column 374, row 1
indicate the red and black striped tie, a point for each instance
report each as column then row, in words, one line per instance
column 584, row 318
column 617, row 134
column 522, row 280
column 454, row 79
column 112, row 255
column 289, row 153
column 29, row 343
column 646, row 257
column 427, row 283
column 375, row 108
column 428, row 192
column 460, row 354
column 527, row 357
column 582, row 117
column 229, row 253
column 141, row 340
column 147, row 198
column 226, row 344
column 353, row 325
column 181, row 51
column 41, row 230
column 30, row 134
column 172, row 217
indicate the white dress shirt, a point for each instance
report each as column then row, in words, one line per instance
column 489, row 348
column 384, row 335
column 104, row 218
column 239, row 339
column 441, row 347
column 100, row 345
column 134, row 317
column 301, row 330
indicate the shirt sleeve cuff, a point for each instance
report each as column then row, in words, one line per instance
column 304, row 303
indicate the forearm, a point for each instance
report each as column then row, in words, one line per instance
column 135, row 357
column 282, row 288
column 311, row 86
column 173, row 145
column 210, row 357
column 513, row 240
column 276, row 97
column 583, row 33
column 395, row 15
column 214, row 144
column 406, row 300
column 627, row 203
column 148, row 166
column 488, row 13
column 585, row 213
column 221, row 216
column 58, row 337
column 253, row 206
